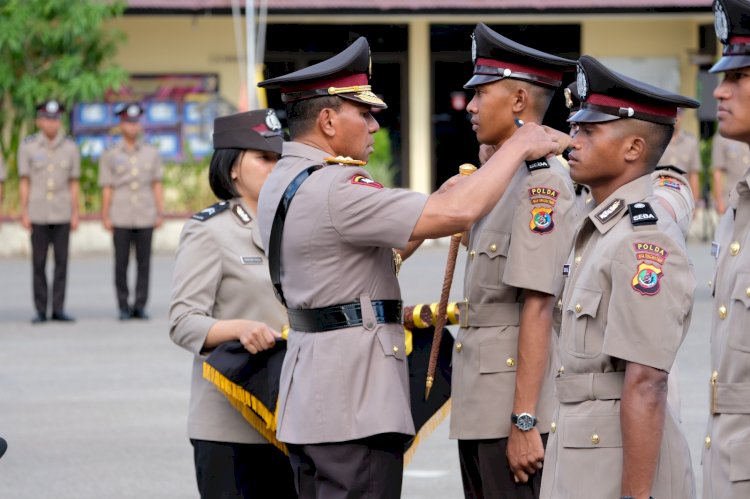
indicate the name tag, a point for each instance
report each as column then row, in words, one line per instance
column 566, row 270
column 251, row 260
column 715, row 246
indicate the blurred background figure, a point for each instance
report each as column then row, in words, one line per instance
column 729, row 160
column 49, row 166
column 222, row 291
column 684, row 153
column 130, row 173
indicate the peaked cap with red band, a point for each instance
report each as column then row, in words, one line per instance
column 496, row 57
column 607, row 95
column 347, row 74
column 259, row 130
column 129, row 111
column 52, row 109
column 732, row 24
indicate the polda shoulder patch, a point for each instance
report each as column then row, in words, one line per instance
column 211, row 211
column 642, row 214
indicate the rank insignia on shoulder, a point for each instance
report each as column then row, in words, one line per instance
column 647, row 279
column 609, row 211
column 537, row 164
column 665, row 181
column 642, row 214
column 541, row 220
column 344, row 160
column 240, row 213
column 362, row 180
column 211, row 211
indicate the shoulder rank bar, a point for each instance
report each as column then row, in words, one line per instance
column 211, row 211
column 642, row 214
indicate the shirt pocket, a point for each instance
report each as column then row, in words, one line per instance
column 739, row 464
column 585, row 339
column 491, row 252
column 499, row 355
column 592, row 432
column 739, row 313
column 392, row 343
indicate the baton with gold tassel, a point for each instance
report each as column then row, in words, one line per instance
column 450, row 266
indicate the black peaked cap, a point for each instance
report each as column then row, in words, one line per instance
column 259, row 130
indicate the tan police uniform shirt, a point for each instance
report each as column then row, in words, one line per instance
column 131, row 174
column 520, row 245
column 726, row 454
column 49, row 166
column 682, row 152
column 732, row 157
column 628, row 298
column 673, row 188
column 221, row 273
column 337, row 248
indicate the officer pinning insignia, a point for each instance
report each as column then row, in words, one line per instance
column 251, row 260
column 241, row 214
column 362, row 180
column 609, row 211
column 642, row 214
column 670, row 182
column 211, row 211
column 344, row 160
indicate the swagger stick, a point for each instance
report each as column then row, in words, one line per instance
column 450, row 266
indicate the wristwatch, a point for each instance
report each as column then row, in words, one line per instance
column 523, row 421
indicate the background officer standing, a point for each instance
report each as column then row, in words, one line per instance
column 502, row 391
column 730, row 159
column 130, row 175
column 49, row 166
column 684, row 153
column 329, row 231
column 626, row 304
column 726, row 461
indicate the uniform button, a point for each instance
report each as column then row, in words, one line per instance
column 553, row 427
column 747, row 292
column 395, row 349
column 710, row 283
column 458, row 347
column 561, row 370
column 49, row 195
column 734, row 248
column 578, row 308
column 707, row 441
column 714, row 376
column 722, row 312
column 466, row 300
column 134, row 185
column 595, row 439
column 472, row 253
column 50, row 184
column 510, row 362
column 559, row 304
column 134, row 172
column 132, row 161
column 577, row 260
column 493, row 247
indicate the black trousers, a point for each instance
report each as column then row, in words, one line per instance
column 42, row 236
column 228, row 470
column 370, row 468
column 124, row 239
column 485, row 472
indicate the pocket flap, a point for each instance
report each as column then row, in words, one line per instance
column 493, row 243
column 584, row 302
column 592, row 431
column 741, row 289
column 739, row 460
column 393, row 343
column 499, row 355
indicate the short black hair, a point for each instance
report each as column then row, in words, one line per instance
column 301, row 115
column 661, row 135
column 220, row 172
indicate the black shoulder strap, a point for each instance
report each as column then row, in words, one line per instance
column 277, row 229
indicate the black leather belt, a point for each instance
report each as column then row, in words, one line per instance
column 316, row 320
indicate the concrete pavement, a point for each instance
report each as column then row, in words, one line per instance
column 97, row 409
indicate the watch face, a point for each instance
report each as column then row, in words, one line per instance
column 525, row 421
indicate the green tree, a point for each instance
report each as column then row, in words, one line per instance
column 53, row 49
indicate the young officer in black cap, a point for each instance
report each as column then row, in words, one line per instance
column 344, row 407
column 501, row 388
column 626, row 304
column 726, row 466
column 49, row 166
column 221, row 292
column 130, row 175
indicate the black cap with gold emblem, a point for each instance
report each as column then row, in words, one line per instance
column 129, row 111
column 732, row 24
column 607, row 95
column 51, row 109
column 259, row 130
column 347, row 74
column 496, row 57
column 572, row 99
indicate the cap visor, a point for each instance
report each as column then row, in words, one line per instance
column 368, row 100
column 730, row 62
column 477, row 80
column 591, row 116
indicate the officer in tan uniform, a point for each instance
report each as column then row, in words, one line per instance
column 130, row 175
column 329, row 231
column 730, row 159
column 501, row 387
column 684, row 153
column 222, row 291
column 626, row 304
column 726, row 455
column 49, row 166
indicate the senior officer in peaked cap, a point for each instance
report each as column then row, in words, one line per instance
column 130, row 173
column 49, row 166
column 626, row 304
column 502, row 392
column 329, row 231
column 726, row 461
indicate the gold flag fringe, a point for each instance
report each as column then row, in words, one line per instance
column 427, row 429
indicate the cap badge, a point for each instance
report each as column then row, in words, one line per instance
column 52, row 107
column 133, row 111
column 581, row 83
column 568, row 98
column 473, row 49
column 721, row 23
column 272, row 122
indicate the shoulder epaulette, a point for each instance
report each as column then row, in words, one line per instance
column 642, row 214
column 537, row 164
column 671, row 167
column 211, row 211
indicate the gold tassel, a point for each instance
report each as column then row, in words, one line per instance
column 427, row 429
column 235, row 392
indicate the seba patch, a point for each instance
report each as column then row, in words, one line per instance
column 362, row 180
